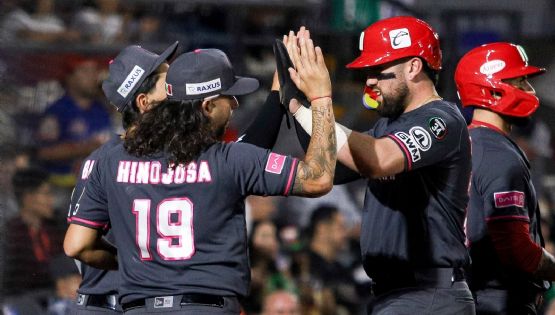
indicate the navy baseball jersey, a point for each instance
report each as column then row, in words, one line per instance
column 415, row 219
column 182, row 230
column 501, row 189
column 95, row 281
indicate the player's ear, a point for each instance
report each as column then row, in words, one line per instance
column 413, row 67
column 207, row 107
column 142, row 102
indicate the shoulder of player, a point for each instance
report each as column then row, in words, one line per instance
column 446, row 110
column 494, row 159
column 103, row 149
column 492, row 143
column 239, row 148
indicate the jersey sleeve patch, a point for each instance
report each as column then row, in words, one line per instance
column 413, row 143
column 438, row 127
column 508, row 199
column 275, row 163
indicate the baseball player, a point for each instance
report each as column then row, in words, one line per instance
column 509, row 264
column 417, row 162
column 177, row 194
column 99, row 287
column 136, row 82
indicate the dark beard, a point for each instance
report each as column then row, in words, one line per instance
column 394, row 105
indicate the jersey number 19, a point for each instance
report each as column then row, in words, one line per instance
column 181, row 228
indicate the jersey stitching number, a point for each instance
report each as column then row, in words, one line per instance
column 168, row 231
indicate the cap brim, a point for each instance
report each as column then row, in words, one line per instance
column 242, row 86
column 165, row 56
column 368, row 60
column 525, row 70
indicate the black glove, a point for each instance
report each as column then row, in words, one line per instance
column 287, row 89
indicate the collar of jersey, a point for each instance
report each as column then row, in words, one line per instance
column 477, row 123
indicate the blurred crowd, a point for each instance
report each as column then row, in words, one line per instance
column 99, row 22
column 304, row 254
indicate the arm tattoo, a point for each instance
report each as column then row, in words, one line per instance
column 320, row 157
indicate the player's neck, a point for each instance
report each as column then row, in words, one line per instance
column 422, row 95
column 491, row 118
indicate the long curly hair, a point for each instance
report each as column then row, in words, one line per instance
column 178, row 128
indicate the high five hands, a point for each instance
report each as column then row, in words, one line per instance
column 309, row 74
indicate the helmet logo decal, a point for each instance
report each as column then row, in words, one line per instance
column 361, row 42
column 492, row 67
column 399, row 38
column 522, row 53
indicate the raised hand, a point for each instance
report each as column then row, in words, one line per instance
column 310, row 74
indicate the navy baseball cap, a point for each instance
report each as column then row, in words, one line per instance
column 129, row 70
column 205, row 72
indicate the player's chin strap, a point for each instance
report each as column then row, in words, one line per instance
column 304, row 116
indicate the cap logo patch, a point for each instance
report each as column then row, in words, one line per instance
column 492, row 67
column 203, row 87
column 400, row 38
column 361, row 42
column 132, row 79
column 509, row 198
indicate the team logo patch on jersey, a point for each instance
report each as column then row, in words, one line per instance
column 399, row 38
column 438, row 127
column 508, row 199
column 275, row 163
column 421, row 137
column 410, row 144
column 163, row 301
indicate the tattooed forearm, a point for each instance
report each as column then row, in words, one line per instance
column 318, row 166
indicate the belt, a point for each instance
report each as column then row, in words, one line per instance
column 108, row 301
column 442, row 277
column 186, row 299
column 422, row 277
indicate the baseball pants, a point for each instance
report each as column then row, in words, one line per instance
column 501, row 302
column 455, row 299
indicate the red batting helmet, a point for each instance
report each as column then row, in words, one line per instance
column 395, row 38
column 479, row 76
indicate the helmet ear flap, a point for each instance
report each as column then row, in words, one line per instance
column 499, row 97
